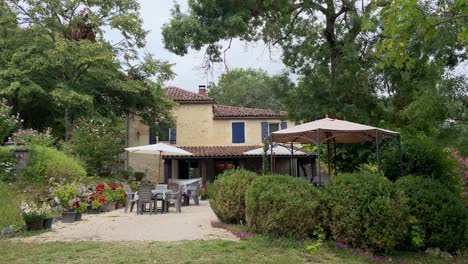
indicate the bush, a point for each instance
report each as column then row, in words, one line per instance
column 31, row 137
column 99, row 142
column 365, row 210
column 7, row 165
column 227, row 197
column 282, row 205
column 10, row 207
column 440, row 218
column 421, row 156
column 47, row 163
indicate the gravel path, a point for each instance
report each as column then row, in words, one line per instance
column 192, row 224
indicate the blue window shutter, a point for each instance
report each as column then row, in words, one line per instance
column 264, row 130
column 284, row 125
column 172, row 135
column 238, row 135
column 152, row 136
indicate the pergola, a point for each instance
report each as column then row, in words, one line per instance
column 328, row 130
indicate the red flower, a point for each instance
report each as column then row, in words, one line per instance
column 100, row 186
column 77, row 204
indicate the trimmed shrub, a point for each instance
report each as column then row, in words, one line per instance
column 227, row 197
column 7, row 165
column 282, row 205
column 365, row 210
column 10, row 207
column 48, row 162
column 439, row 217
column 421, row 156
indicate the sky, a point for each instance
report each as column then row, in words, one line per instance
column 188, row 68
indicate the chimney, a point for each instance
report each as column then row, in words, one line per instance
column 202, row 90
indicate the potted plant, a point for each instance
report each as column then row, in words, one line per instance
column 203, row 192
column 97, row 200
column 66, row 194
column 49, row 216
column 120, row 196
column 32, row 215
column 80, row 209
column 108, row 193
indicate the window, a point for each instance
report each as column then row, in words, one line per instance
column 238, row 132
column 272, row 127
column 165, row 134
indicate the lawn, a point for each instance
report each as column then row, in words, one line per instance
column 255, row 250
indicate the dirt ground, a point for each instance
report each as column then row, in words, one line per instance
column 193, row 223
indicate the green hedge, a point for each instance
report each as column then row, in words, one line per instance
column 439, row 217
column 10, row 207
column 282, row 205
column 365, row 210
column 49, row 162
column 227, row 197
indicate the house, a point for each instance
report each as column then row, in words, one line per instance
column 220, row 137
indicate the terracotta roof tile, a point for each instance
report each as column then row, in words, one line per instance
column 221, row 151
column 184, row 96
column 224, row 111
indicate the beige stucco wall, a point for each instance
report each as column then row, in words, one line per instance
column 195, row 127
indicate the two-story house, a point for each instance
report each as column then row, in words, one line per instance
column 219, row 137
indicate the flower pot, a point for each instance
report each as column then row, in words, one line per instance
column 68, row 217
column 91, row 210
column 35, row 225
column 78, row 216
column 107, row 207
column 113, row 206
column 48, row 223
column 203, row 198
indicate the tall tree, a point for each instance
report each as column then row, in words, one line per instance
column 249, row 88
column 56, row 65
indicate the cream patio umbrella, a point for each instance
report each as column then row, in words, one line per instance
column 333, row 130
column 158, row 149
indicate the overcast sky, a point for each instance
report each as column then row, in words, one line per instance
column 189, row 73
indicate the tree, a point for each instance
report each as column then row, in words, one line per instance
column 60, row 67
column 249, row 88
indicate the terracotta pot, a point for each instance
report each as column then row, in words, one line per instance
column 35, row 225
column 68, row 217
column 48, row 223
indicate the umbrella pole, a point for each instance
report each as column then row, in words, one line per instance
column 328, row 158
column 378, row 151
column 159, row 169
column 318, row 157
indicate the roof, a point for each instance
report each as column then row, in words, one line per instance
column 222, row 151
column 183, row 96
column 224, row 111
column 324, row 129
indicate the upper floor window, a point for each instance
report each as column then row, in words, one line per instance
column 162, row 134
column 270, row 127
column 238, row 132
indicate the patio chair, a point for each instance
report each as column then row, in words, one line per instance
column 174, row 197
column 130, row 197
column 193, row 192
column 145, row 198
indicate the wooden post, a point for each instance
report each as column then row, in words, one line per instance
column 318, row 157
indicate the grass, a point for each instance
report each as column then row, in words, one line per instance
column 259, row 249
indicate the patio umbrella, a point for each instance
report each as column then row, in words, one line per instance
column 158, row 149
column 334, row 130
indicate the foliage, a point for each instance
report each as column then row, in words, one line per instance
column 249, row 88
column 31, row 137
column 48, row 162
column 7, row 165
column 421, row 156
column 86, row 73
column 8, row 122
column 80, row 206
column 10, row 207
column 315, row 245
column 119, row 194
column 203, row 191
column 282, row 205
column 97, row 198
column 365, row 210
column 31, row 212
column 99, row 143
column 139, row 175
column 227, row 198
column 439, row 217
column 66, row 195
